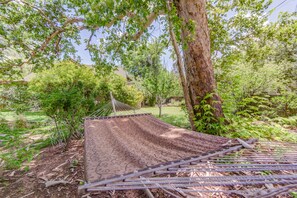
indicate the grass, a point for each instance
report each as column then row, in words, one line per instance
column 11, row 116
column 22, row 136
column 172, row 115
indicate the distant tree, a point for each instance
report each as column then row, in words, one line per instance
column 161, row 84
column 144, row 64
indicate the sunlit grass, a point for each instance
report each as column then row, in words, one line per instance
column 22, row 136
column 171, row 115
column 11, row 116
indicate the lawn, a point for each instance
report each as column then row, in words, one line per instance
column 22, row 136
column 172, row 115
column 11, row 116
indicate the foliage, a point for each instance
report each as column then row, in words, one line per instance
column 205, row 120
column 254, row 58
column 156, row 82
column 66, row 93
column 238, row 127
column 293, row 194
column 250, row 128
column 21, row 122
column 16, row 146
column 121, row 91
column 290, row 121
column 262, row 90
column 15, row 97
column 160, row 84
column 254, row 106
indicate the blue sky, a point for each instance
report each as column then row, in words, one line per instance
column 287, row 6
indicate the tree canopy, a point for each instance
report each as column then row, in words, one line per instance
column 35, row 34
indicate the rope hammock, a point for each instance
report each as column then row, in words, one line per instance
column 127, row 149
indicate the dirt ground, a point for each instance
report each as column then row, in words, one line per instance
column 52, row 165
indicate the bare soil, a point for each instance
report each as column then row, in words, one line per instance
column 54, row 164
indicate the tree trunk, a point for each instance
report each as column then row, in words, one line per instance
column 180, row 67
column 198, row 66
column 159, row 102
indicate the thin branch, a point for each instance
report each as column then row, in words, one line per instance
column 5, row 2
column 150, row 19
column 73, row 20
column 47, row 40
column 41, row 12
column 90, row 38
column 57, row 48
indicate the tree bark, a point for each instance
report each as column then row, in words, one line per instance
column 197, row 58
column 159, row 102
column 180, row 67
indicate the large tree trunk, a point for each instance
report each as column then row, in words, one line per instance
column 197, row 57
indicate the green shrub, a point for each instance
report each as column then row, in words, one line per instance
column 205, row 120
column 66, row 93
column 248, row 128
column 291, row 121
column 121, row 91
column 3, row 125
column 255, row 106
column 259, row 90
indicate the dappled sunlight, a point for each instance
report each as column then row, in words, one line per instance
column 174, row 133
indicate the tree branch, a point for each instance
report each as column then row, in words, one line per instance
column 57, row 48
column 150, row 19
column 5, row 2
column 73, row 20
column 90, row 38
column 41, row 12
column 47, row 40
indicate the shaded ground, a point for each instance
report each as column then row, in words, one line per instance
column 52, row 164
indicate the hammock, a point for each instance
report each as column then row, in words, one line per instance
column 138, row 151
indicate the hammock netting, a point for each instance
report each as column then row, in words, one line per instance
column 132, row 151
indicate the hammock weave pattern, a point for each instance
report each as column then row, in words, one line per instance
column 122, row 144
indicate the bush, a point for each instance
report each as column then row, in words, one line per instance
column 248, row 128
column 205, row 121
column 259, row 90
column 66, row 93
column 121, row 91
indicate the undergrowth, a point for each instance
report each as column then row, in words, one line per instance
column 245, row 128
column 16, row 147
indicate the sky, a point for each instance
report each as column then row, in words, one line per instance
column 286, row 6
